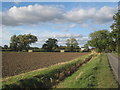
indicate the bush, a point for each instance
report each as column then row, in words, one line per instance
column 76, row 50
column 98, row 50
column 69, row 50
column 57, row 50
column 39, row 50
column 7, row 50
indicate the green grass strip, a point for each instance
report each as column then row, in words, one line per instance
column 47, row 72
column 94, row 74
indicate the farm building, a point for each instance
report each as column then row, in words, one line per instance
column 30, row 50
column 62, row 50
column 82, row 48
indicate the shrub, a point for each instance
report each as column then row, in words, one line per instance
column 39, row 50
column 57, row 50
column 7, row 50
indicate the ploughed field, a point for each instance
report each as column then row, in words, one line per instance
column 14, row 63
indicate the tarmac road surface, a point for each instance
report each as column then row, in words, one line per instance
column 114, row 62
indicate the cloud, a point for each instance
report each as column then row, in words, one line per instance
column 72, row 25
column 31, row 15
column 104, row 15
column 62, row 27
column 81, row 16
column 85, row 25
column 5, row 36
column 35, row 14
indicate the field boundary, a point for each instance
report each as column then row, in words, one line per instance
column 45, row 68
column 47, row 80
column 18, row 63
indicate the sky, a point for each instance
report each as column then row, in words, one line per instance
column 60, row 20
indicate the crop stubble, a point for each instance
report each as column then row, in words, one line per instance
column 14, row 63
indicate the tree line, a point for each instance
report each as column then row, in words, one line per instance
column 23, row 42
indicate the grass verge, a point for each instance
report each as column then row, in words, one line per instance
column 95, row 74
column 34, row 78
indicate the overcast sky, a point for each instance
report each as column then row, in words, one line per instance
column 55, row 20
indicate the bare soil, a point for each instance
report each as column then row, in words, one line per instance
column 14, row 63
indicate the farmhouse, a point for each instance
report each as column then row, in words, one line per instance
column 62, row 51
column 30, row 50
column 82, row 48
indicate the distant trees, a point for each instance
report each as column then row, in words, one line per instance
column 22, row 42
column 50, row 44
column 5, row 47
column 72, row 44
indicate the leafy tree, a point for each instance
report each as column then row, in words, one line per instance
column 112, row 45
column 50, row 44
column 25, row 40
column 72, row 44
column 5, row 46
column 86, row 47
column 22, row 42
column 14, row 41
column 116, row 30
column 99, row 40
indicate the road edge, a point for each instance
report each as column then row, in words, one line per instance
column 113, row 71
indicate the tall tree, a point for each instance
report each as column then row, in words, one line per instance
column 14, row 41
column 116, row 30
column 25, row 40
column 22, row 42
column 50, row 44
column 99, row 40
column 72, row 44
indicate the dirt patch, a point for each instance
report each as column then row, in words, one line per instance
column 17, row 63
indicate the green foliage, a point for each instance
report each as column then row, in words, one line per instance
column 39, row 50
column 5, row 47
column 86, row 47
column 100, row 40
column 14, row 41
column 22, row 42
column 73, row 50
column 57, row 50
column 107, row 41
column 116, row 30
column 50, row 44
column 62, row 47
column 72, row 44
